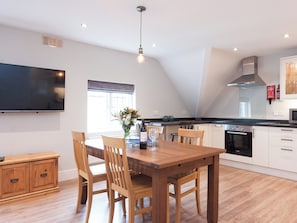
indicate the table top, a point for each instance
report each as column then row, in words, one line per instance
column 166, row 154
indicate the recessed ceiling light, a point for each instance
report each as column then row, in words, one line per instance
column 154, row 45
column 235, row 49
column 84, row 25
column 286, row 36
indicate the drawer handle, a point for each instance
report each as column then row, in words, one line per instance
column 43, row 175
column 14, row 180
column 284, row 149
column 287, row 130
column 287, row 140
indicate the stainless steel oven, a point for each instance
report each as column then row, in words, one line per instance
column 238, row 140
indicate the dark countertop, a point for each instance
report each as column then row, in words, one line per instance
column 230, row 121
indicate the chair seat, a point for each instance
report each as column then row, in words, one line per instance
column 141, row 183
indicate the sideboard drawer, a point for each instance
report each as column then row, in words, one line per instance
column 43, row 174
column 14, row 179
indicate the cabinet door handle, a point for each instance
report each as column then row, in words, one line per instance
column 284, row 149
column 14, row 180
column 43, row 175
column 287, row 130
column 290, row 140
column 237, row 133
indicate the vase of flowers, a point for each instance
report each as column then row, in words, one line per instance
column 127, row 118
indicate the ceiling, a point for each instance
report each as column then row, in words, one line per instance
column 254, row 27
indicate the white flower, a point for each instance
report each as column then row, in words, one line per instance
column 127, row 121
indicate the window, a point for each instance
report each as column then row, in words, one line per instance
column 105, row 99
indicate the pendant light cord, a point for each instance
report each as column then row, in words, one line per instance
column 140, row 28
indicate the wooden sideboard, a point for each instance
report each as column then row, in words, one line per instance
column 28, row 175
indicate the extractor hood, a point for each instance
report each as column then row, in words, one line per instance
column 249, row 77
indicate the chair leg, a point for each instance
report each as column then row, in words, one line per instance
column 197, row 182
column 79, row 195
column 107, row 188
column 168, row 206
column 141, row 207
column 177, row 191
column 131, row 214
column 111, row 205
column 90, row 200
column 123, row 204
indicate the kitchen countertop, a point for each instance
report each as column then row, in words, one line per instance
column 250, row 122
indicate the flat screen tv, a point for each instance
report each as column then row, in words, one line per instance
column 24, row 88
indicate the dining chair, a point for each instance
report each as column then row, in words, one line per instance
column 183, row 125
column 87, row 174
column 134, row 187
column 188, row 136
column 159, row 128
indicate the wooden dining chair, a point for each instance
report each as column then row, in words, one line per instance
column 87, row 174
column 134, row 187
column 183, row 125
column 188, row 136
column 159, row 128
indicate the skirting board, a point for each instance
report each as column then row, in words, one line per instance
column 67, row 174
column 72, row 173
column 260, row 169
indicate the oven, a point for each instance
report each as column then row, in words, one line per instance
column 238, row 140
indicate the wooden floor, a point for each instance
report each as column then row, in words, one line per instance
column 246, row 197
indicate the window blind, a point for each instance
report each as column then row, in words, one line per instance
column 110, row 86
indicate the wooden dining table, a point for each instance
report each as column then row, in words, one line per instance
column 167, row 159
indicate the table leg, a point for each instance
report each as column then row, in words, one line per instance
column 213, row 191
column 160, row 196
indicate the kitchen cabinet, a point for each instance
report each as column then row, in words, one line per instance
column 283, row 148
column 217, row 138
column 207, row 133
column 260, row 146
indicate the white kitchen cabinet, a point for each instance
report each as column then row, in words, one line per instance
column 283, row 148
column 217, row 135
column 206, row 128
column 260, row 145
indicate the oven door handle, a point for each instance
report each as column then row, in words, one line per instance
column 237, row 133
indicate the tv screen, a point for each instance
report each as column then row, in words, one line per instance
column 24, row 88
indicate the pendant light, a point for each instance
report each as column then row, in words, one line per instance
column 140, row 57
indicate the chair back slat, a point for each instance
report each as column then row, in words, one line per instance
column 186, row 125
column 117, row 164
column 80, row 153
column 190, row 136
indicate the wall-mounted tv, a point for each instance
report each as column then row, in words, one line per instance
column 24, row 88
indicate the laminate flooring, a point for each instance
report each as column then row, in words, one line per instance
column 244, row 197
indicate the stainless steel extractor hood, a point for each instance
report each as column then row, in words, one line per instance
column 249, row 77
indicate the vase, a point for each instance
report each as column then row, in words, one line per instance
column 126, row 130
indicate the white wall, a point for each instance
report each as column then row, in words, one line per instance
column 218, row 100
column 29, row 132
column 186, row 70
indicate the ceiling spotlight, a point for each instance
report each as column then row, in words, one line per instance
column 235, row 49
column 140, row 57
column 84, row 25
column 286, row 36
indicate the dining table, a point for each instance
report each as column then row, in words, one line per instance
column 167, row 159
